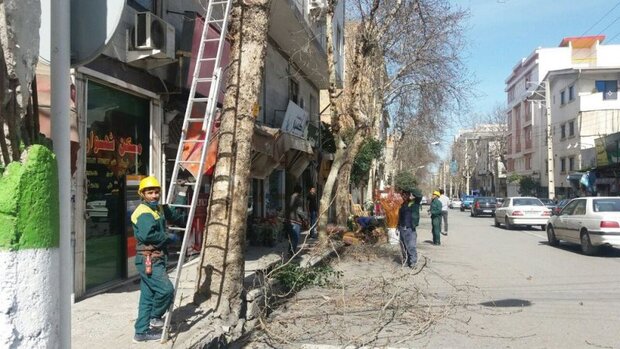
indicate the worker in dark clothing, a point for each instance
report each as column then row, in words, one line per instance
column 407, row 231
column 416, row 206
column 436, row 217
column 156, row 290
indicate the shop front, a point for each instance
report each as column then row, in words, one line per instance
column 116, row 151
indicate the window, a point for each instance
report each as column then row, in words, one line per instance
column 528, row 161
column 293, row 91
column 571, row 92
column 609, row 88
column 563, row 129
column 563, row 97
column 571, row 128
column 580, row 207
column 571, row 163
column 562, row 165
column 568, row 209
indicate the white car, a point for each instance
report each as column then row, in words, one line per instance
column 588, row 221
column 526, row 211
column 455, row 203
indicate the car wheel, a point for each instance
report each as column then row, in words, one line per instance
column 496, row 222
column 543, row 227
column 471, row 213
column 586, row 244
column 508, row 225
column 553, row 241
column 462, row 209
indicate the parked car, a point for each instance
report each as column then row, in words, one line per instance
column 483, row 205
column 559, row 206
column 528, row 211
column 466, row 202
column 455, row 203
column 588, row 221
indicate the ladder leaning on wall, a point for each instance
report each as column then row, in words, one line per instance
column 217, row 15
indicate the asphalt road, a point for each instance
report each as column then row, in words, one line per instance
column 496, row 288
column 524, row 293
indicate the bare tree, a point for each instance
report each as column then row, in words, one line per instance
column 414, row 46
column 221, row 269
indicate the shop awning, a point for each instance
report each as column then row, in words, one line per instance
column 295, row 152
column 263, row 143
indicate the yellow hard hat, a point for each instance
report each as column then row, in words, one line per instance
column 148, row 182
column 436, row 193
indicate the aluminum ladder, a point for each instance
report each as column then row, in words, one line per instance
column 217, row 16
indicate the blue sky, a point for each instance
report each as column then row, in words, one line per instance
column 501, row 32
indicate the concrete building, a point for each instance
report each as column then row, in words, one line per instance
column 130, row 101
column 525, row 114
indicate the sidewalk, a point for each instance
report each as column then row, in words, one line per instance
column 106, row 320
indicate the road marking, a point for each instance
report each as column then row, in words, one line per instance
column 536, row 235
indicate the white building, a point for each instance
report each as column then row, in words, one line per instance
column 525, row 114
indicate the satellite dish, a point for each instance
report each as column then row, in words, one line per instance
column 93, row 23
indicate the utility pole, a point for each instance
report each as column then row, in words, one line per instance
column 467, row 174
column 550, row 172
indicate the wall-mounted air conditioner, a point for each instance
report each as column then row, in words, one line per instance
column 155, row 34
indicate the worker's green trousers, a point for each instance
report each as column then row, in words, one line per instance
column 436, row 223
column 156, row 293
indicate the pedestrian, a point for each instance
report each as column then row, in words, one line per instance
column 295, row 216
column 416, row 206
column 436, row 217
column 407, row 231
column 445, row 203
column 156, row 290
column 313, row 208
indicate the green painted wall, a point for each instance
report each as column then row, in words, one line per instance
column 29, row 216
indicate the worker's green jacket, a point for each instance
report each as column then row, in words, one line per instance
column 435, row 208
column 415, row 215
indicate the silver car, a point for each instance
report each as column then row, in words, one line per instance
column 588, row 221
column 526, row 211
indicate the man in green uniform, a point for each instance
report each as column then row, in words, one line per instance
column 436, row 218
column 415, row 206
column 156, row 290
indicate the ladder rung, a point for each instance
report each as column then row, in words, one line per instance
column 177, row 228
column 200, row 99
column 196, row 119
column 204, row 79
column 211, row 40
column 180, row 205
column 216, row 20
column 207, row 59
column 188, row 162
column 218, row 2
column 193, row 141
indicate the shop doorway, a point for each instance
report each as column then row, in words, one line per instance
column 117, row 146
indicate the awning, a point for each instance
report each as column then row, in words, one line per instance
column 263, row 143
column 296, row 153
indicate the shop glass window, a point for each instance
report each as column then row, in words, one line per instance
column 609, row 88
column 118, row 143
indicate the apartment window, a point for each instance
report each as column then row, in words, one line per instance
column 509, row 120
column 571, row 128
column 571, row 92
column 571, row 163
column 562, row 165
column 527, row 133
column 609, row 88
column 293, row 91
column 528, row 161
column 563, row 97
column 563, row 129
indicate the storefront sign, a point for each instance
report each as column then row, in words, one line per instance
column 95, row 144
column 126, row 147
column 295, row 120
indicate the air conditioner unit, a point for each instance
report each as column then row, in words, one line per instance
column 316, row 7
column 155, row 34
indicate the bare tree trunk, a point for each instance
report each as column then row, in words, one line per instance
column 328, row 188
column 221, row 270
column 343, row 202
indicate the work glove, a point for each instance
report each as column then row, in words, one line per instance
column 172, row 238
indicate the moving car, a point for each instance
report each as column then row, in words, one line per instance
column 483, row 205
column 548, row 202
column 559, row 206
column 466, row 202
column 455, row 203
column 526, row 211
column 588, row 221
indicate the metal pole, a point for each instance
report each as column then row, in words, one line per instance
column 467, row 175
column 60, row 127
column 550, row 173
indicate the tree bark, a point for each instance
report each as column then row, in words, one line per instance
column 221, row 269
column 343, row 202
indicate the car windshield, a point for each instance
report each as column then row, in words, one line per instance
column 526, row 202
column 606, row 205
